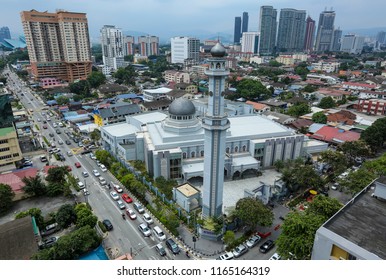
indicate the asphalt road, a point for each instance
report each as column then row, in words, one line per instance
column 125, row 237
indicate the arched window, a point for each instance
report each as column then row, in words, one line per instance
column 227, row 150
column 236, row 149
column 244, row 148
column 183, row 155
column 193, row 154
column 202, row 153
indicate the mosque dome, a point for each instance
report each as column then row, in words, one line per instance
column 182, row 107
column 218, row 50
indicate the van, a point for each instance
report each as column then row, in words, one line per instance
column 138, row 207
column 159, row 233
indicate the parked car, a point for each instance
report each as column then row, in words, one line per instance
column 68, row 142
column 253, row 240
column 96, row 173
column 226, row 256
column 267, row 245
column 118, row 189
column 144, row 229
column 77, row 164
column 114, row 195
column 51, row 134
column 86, row 192
column 58, row 131
column 131, row 214
column 275, row 257
column 69, row 153
column 138, row 207
column 81, row 185
column 126, row 198
column 239, row 251
column 120, row 204
column 92, row 156
column 108, row 224
column 60, row 142
column 160, row 249
column 172, row 246
column 49, row 242
column 147, row 218
column 85, row 174
column 45, row 126
column 43, row 159
column 103, row 168
column 102, row 181
column 158, row 233
column 335, row 186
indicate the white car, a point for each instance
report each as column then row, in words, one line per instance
column 92, row 156
column 252, row 241
column 144, row 229
column 114, row 195
column 275, row 257
column 147, row 218
column 103, row 168
column 81, row 185
column 120, row 204
column 226, row 256
column 96, row 173
column 54, row 125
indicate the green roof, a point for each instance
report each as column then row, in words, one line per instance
column 6, row 130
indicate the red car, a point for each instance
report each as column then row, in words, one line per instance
column 77, row 164
column 45, row 126
column 131, row 214
column 127, row 198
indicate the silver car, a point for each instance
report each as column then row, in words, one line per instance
column 144, row 229
column 239, row 251
column 252, row 241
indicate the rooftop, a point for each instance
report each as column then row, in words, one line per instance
column 362, row 222
column 120, row 129
column 187, row 190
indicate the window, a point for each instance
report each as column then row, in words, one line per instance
column 236, row 149
column 202, row 153
column 184, row 155
column 244, row 148
column 193, row 154
column 227, row 150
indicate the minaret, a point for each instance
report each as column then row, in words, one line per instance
column 215, row 124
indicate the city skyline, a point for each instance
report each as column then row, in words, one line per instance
column 171, row 18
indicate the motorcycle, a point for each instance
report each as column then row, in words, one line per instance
column 123, row 216
column 187, row 254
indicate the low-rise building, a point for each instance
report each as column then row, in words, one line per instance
column 372, row 106
column 10, row 151
column 115, row 113
column 176, row 76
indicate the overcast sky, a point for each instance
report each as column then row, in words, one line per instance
column 167, row 18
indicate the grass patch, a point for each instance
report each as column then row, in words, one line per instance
column 46, row 141
column 37, row 127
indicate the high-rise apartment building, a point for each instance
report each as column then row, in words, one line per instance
column 381, row 36
column 128, row 45
column 4, row 33
column 237, row 31
column 58, row 44
column 183, row 48
column 267, row 29
column 244, row 27
column 309, row 34
column 292, row 27
column 325, row 31
column 112, row 47
column 148, row 45
column 352, row 44
column 250, row 42
column 336, row 40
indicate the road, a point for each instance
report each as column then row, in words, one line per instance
column 125, row 237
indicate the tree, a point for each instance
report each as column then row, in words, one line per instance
column 95, row 79
column 299, row 110
column 84, row 216
column 319, row 117
column 335, row 159
column 95, row 135
column 34, row 212
column 356, row 180
column 61, row 100
column 81, row 87
column 34, row 186
column 6, row 197
column 309, row 88
column 104, row 157
column 229, row 237
column 375, row 135
column 327, row 102
column 57, row 174
column 298, row 230
column 55, row 189
column 65, row 215
column 253, row 212
column 125, row 75
column 354, row 149
column 250, row 89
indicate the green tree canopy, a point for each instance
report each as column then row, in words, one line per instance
column 33, row 212
column 299, row 110
column 250, row 89
column 335, row 159
column 353, row 149
column 57, row 174
column 61, row 100
column 375, row 135
column 253, row 212
column 319, row 117
column 95, row 135
column 125, row 75
column 34, row 186
column 95, row 79
column 81, row 87
column 327, row 102
column 298, row 230
column 6, row 197
column 84, row 216
column 309, row 88
column 65, row 215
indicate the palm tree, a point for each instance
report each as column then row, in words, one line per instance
column 34, row 186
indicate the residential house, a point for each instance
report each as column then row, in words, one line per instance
column 258, row 108
column 112, row 89
column 279, row 118
column 156, row 105
column 335, row 135
column 115, row 113
column 176, row 76
column 189, row 88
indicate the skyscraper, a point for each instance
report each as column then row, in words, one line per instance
column 325, row 31
column 381, row 36
column 185, row 48
column 237, row 31
column 309, row 34
column 148, row 45
column 267, row 29
column 128, row 45
column 250, row 42
column 112, row 47
column 58, row 44
column 352, row 44
column 336, row 40
column 215, row 124
column 245, row 22
column 4, row 33
column 292, row 26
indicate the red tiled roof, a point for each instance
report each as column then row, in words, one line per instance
column 333, row 134
column 359, row 85
column 14, row 179
column 256, row 105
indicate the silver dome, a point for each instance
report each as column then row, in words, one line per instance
column 218, row 50
column 182, row 107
